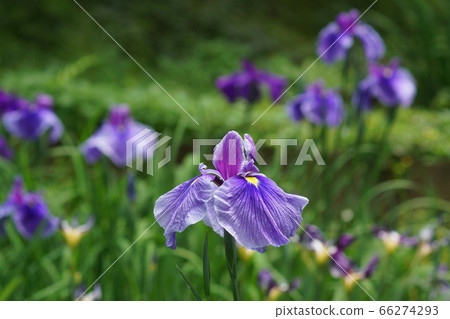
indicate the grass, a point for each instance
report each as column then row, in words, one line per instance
column 343, row 195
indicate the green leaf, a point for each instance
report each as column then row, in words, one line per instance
column 196, row 295
column 230, row 254
column 206, row 268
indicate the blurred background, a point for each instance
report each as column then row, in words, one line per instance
column 55, row 48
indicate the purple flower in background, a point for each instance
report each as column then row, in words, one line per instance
column 5, row 150
column 392, row 239
column 342, row 266
column 337, row 38
column 235, row 198
column 272, row 290
column 318, row 105
column 248, row 83
column 313, row 239
column 391, row 85
column 111, row 138
column 29, row 212
column 30, row 120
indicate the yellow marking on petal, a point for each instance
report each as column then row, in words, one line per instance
column 194, row 180
column 252, row 180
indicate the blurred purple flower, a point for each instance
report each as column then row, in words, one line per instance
column 271, row 289
column 392, row 239
column 318, row 105
column 391, row 85
column 342, row 266
column 338, row 36
column 30, row 120
column 5, row 150
column 248, row 83
column 247, row 204
column 29, row 212
column 313, row 239
column 111, row 138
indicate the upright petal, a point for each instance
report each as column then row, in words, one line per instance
column 256, row 212
column 228, row 155
column 184, row 205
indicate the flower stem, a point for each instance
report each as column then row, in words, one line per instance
column 230, row 253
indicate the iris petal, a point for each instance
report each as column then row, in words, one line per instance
column 228, row 155
column 371, row 41
column 184, row 205
column 256, row 212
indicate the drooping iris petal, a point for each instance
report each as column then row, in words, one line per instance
column 30, row 124
column 111, row 138
column 276, row 84
column 184, row 205
column 5, row 150
column 362, row 99
column 256, row 212
column 226, row 85
column 293, row 108
column 371, row 41
column 228, row 155
column 341, row 265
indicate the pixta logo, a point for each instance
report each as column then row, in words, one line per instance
column 141, row 147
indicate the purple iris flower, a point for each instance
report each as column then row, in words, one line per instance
column 318, row 105
column 342, row 33
column 272, row 290
column 234, row 197
column 390, row 84
column 313, row 239
column 5, row 150
column 342, row 266
column 111, row 138
column 29, row 212
column 248, row 83
column 30, row 120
